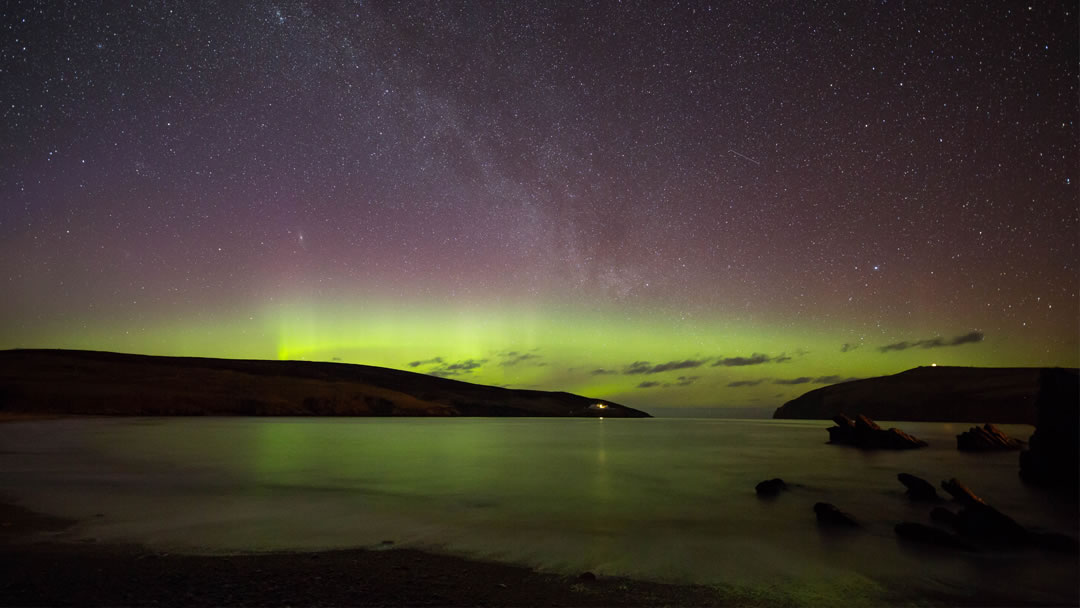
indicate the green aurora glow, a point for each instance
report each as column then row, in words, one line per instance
column 588, row 353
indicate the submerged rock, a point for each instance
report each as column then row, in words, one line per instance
column 961, row 493
column 917, row 487
column 986, row 438
column 1052, row 541
column 985, row 525
column 932, row 536
column 770, row 487
column 943, row 516
column 862, row 432
column 830, row 515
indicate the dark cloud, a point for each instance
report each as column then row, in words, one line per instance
column 847, row 348
column 446, row 370
column 602, row 372
column 834, row 379
column 754, row 359
column 426, row 362
column 467, row 365
column 644, row 367
column 739, row 383
column 782, row 357
column 680, row 381
column 968, row 338
column 938, row 342
column 513, row 358
column 338, row 359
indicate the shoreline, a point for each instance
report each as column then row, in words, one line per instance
column 38, row 571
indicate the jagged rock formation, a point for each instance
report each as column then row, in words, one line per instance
column 1053, row 457
column 828, row 514
column 84, row 382
column 986, row 438
column 866, row 434
column 917, row 487
column 949, row 394
column 978, row 524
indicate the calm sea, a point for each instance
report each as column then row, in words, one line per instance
column 663, row 499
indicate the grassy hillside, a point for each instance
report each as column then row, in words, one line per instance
column 87, row 382
column 972, row 394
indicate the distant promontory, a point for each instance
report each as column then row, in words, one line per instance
column 102, row 383
column 1004, row 395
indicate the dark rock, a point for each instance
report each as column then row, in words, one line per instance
column 866, row 434
column 931, row 536
column 943, row 516
column 987, row 525
column 1052, row 459
column 865, row 425
column 982, row 523
column 961, row 493
column 829, row 514
column 770, row 487
column 986, row 438
column 587, row 577
column 1053, row 541
column 917, row 487
column 895, row 439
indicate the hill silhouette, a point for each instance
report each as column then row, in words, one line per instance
column 1004, row 395
column 103, row 383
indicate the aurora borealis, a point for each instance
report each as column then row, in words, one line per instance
column 678, row 207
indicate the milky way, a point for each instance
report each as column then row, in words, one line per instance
column 667, row 206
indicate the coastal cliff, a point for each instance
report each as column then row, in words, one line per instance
column 950, row 394
column 101, row 383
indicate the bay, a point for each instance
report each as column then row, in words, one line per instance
column 660, row 499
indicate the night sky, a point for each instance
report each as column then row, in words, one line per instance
column 669, row 205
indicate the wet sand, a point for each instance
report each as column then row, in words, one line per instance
column 37, row 568
column 38, row 571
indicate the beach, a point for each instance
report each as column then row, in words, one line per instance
column 37, row 571
column 367, row 512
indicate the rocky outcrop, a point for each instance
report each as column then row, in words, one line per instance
column 1052, row 459
column 943, row 516
column 866, row 434
column 984, row 525
column 961, row 493
column 917, row 487
column 1006, row 395
column 113, row 384
column 770, row 487
column 829, row 515
column 986, row 438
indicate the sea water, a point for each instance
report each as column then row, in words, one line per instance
column 659, row 499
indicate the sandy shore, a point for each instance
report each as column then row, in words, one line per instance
column 35, row 571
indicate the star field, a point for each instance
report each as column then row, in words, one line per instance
column 665, row 204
